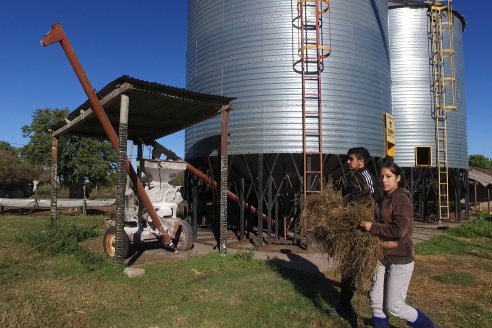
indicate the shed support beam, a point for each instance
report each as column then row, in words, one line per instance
column 121, row 181
column 54, row 173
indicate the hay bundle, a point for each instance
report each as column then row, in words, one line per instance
column 335, row 226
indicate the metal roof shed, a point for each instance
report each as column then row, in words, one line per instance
column 156, row 110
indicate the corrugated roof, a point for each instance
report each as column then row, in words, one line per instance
column 155, row 110
column 482, row 178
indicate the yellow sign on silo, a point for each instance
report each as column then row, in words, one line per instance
column 389, row 123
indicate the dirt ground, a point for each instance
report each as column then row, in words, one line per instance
column 285, row 254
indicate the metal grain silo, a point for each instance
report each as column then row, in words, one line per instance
column 246, row 49
column 411, row 74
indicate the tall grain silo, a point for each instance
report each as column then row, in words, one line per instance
column 413, row 99
column 248, row 50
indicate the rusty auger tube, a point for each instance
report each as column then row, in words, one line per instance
column 58, row 35
column 211, row 182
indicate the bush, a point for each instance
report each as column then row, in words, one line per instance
column 62, row 238
column 480, row 214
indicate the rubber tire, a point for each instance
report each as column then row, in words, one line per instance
column 109, row 240
column 184, row 237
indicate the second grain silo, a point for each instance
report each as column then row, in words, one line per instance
column 249, row 50
column 414, row 103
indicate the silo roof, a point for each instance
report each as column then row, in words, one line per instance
column 155, row 110
column 413, row 3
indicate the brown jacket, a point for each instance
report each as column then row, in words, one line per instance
column 394, row 221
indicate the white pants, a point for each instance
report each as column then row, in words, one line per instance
column 389, row 292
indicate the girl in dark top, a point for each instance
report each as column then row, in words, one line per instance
column 394, row 220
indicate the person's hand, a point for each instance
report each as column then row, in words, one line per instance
column 390, row 244
column 365, row 225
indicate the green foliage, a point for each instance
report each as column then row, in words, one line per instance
column 79, row 158
column 480, row 214
column 178, row 180
column 244, row 255
column 453, row 243
column 15, row 169
column 456, row 278
column 9, row 149
column 480, row 161
column 61, row 238
column 38, row 150
column 473, row 229
column 213, row 290
column 85, row 158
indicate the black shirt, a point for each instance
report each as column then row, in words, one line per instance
column 362, row 187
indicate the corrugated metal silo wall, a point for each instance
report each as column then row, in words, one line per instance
column 411, row 93
column 246, row 49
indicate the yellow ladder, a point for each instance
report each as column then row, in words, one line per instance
column 311, row 52
column 444, row 91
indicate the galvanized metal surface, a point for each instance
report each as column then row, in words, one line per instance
column 411, row 92
column 246, row 49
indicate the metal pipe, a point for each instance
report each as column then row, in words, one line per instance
column 139, row 176
column 211, row 182
column 58, row 35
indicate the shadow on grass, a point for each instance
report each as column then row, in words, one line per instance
column 311, row 283
column 137, row 249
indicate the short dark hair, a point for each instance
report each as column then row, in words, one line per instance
column 360, row 153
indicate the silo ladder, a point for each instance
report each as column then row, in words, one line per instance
column 311, row 52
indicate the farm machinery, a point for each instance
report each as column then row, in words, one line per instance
column 157, row 111
column 166, row 198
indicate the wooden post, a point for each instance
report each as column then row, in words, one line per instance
column 84, row 203
column 224, row 172
column 488, row 199
column 475, row 186
column 121, row 181
column 54, row 163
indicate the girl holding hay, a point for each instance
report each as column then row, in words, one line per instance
column 394, row 220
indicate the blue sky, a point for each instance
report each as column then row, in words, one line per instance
column 147, row 40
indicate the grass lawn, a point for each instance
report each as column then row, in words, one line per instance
column 47, row 281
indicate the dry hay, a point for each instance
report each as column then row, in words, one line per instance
column 335, row 226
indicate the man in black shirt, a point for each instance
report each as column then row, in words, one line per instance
column 362, row 187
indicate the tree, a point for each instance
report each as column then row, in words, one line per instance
column 7, row 148
column 87, row 159
column 38, row 150
column 79, row 158
column 14, row 169
column 480, row 161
